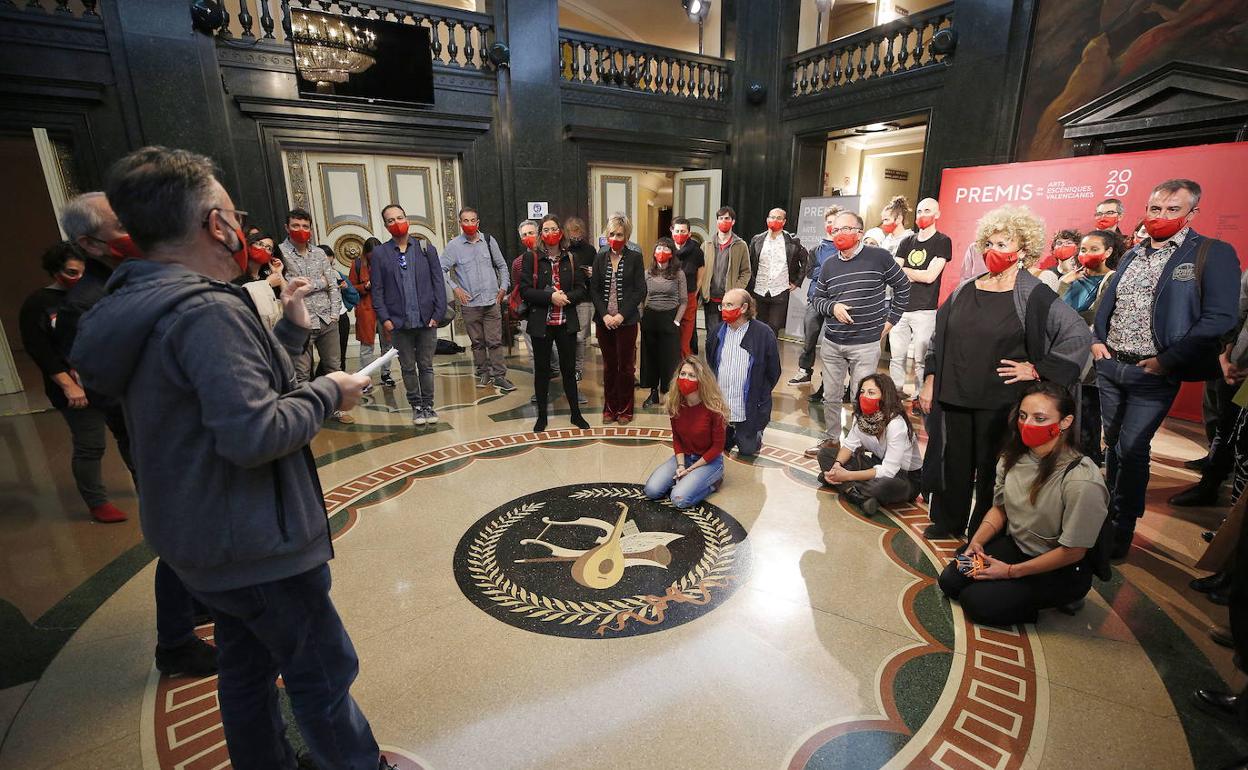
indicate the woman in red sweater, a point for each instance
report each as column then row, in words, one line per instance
column 699, row 416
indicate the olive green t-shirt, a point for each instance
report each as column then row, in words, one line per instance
column 1069, row 510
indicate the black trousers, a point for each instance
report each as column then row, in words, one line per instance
column 566, row 341
column 1090, row 422
column 773, row 311
column 973, row 439
column 1018, row 600
column 660, row 348
column 1221, row 446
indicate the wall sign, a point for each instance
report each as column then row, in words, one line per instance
column 900, row 175
column 538, row 209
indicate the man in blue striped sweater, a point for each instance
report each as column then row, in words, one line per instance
column 851, row 297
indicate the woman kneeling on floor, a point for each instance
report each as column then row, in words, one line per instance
column 1048, row 507
column 879, row 462
column 699, row 416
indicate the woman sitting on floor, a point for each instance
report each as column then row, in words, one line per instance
column 879, row 462
column 1049, row 504
column 699, row 416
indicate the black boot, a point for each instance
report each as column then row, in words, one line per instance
column 1197, row 495
column 868, row 505
column 192, row 658
column 1218, row 581
column 578, row 420
column 1217, row 702
column 817, row 396
column 1122, row 544
column 540, row 424
column 651, row 399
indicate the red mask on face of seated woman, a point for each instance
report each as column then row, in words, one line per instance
column 1037, row 435
column 868, row 405
column 687, row 386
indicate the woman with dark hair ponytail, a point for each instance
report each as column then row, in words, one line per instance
column 879, row 462
column 1049, row 505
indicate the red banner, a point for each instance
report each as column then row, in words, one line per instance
column 1064, row 193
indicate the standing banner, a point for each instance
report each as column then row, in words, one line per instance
column 1064, row 193
column 810, row 231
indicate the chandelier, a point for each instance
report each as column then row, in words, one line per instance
column 329, row 50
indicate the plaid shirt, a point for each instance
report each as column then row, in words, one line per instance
column 555, row 316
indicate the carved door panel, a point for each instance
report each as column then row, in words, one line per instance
column 345, row 193
column 695, row 196
column 611, row 191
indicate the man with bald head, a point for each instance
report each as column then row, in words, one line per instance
column 746, row 360
column 777, row 263
column 922, row 256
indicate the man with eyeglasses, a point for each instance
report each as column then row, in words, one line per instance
column 1160, row 323
column 475, row 267
column 851, row 296
column 220, row 431
column 324, row 301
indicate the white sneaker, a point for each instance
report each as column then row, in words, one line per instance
column 418, row 417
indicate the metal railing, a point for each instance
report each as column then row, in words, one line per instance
column 889, row 49
column 603, row 61
column 65, row 9
column 457, row 38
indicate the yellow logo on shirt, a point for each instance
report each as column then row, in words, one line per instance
column 916, row 257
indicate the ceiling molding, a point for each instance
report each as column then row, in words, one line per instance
column 607, row 20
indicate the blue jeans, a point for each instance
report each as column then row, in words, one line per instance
column 1133, row 405
column 812, row 330
column 288, row 627
column 692, row 489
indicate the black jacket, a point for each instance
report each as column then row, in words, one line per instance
column 537, row 293
column 632, row 283
column 795, row 255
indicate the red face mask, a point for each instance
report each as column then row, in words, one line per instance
column 299, row 237
column 1037, row 435
column 687, row 386
column 888, row 228
column 999, row 261
column 1065, row 252
column 552, row 239
column 1107, row 222
column 724, row 225
column 616, row 244
column 775, row 226
column 925, row 221
column 529, row 241
column 846, row 241
column 662, row 256
column 868, row 405
column 398, row 228
column 1160, row 229
column 259, row 255
column 66, row 281
column 730, row 316
column 122, row 247
column 828, row 229
column 1092, row 260
column 680, row 238
column 470, row 230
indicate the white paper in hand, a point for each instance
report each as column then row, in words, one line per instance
column 384, row 360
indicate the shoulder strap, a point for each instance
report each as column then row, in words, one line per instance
column 1071, row 466
column 1202, row 254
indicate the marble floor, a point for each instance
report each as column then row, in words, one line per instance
column 771, row 627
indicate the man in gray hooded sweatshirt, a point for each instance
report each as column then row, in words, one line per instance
column 219, row 433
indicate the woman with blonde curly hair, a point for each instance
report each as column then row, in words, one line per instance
column 699, row 414
column 995, row 334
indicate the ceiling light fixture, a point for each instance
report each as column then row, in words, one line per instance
column 876, row 128
column 329, row 50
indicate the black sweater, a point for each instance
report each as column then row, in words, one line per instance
column 37, row 322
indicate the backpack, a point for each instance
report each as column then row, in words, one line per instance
column 515, row 302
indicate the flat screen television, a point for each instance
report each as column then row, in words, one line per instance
column 362, row 60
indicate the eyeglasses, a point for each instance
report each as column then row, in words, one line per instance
column 239, row 215
column 836, row 230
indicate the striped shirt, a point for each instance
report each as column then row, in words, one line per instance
column 554, row 317
column 859, row 283
column 734, row 371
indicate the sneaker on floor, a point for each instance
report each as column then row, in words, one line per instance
column 343, row 417
column 107, row 513
column 827, row 444
column 503, row 384
column 579, row 375
column 418, row 417
column 484, row 380
column 803, row 376
column 533, row 399
column 387, row 380
column 581, row 399
column 193, row 658
column 817, row 396
column 431, row 417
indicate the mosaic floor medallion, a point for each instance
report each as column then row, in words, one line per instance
column 599, row 561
